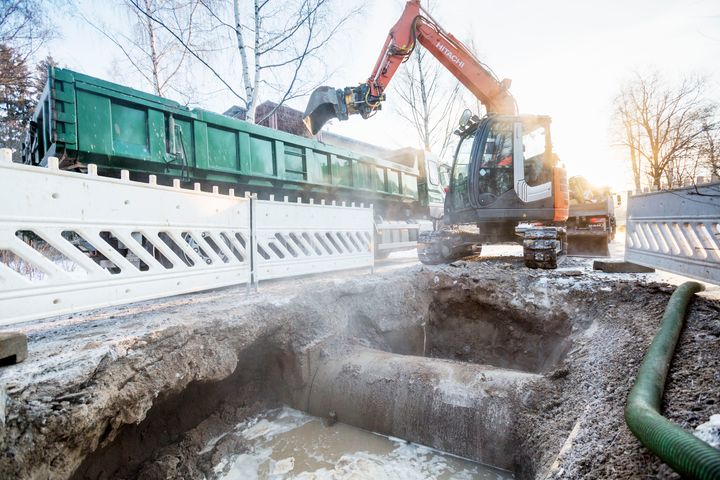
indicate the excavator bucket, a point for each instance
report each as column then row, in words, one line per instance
column 325, row 103
column 588, row 244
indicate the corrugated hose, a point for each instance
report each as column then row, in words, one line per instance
column 681, row 450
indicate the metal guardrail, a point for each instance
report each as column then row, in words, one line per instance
column 74, row 241
column 677, row 231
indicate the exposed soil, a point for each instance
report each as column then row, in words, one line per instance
column 143, row 390
column 472, row 326
column 202, row 406
column 104, row 377
column 587, row 393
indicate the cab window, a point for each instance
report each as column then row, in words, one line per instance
column 495, row 172
column 462, row 159
column 461, row 168
column 537, row 165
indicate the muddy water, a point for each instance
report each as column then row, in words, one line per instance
column 288, row 444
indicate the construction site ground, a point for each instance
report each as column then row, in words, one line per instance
column 143, row 389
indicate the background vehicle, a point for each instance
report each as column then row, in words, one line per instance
column 592, row 224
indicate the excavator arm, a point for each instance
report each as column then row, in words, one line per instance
column 414, row 26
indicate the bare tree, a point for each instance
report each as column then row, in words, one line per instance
column 281, row 47
column 24, row 25
column 629, row 132
column 662, row 125
column 157, row 55
column 709, row 148
column 430, row 100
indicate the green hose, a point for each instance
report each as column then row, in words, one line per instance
column 685, row 453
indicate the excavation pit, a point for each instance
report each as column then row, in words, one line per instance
column 446, row 368
column 286, row 442
column 459, row 326
column 244, row 423
column 493, row 368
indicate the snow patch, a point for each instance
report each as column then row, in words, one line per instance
column 709, row 432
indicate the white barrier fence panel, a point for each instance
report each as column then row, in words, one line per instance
column 677, row 231
column 111, row 241
column 301, row 238
column 398, row 235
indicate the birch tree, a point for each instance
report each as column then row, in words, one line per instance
column 153, row 52
column 281, row 46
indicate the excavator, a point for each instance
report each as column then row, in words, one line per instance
column 505, row 184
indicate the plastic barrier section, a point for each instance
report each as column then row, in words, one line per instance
column 302, row 238
column 74, row 241
column 677, row 231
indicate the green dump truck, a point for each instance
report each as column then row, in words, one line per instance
column 84, row 120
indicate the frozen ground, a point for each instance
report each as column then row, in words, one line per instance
column 617, row 252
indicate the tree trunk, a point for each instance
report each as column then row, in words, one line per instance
column 656, row 174
column 249, row 91
column 154, row 60
column 634, row 159
column 670, row 175
column 424, row 100
column 252, row 101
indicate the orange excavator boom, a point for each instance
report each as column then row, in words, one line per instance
column 414, row 26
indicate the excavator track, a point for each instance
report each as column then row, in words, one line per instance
column 442, row 246
column 544, row 247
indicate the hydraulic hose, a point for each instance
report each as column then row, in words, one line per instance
column 686, row 454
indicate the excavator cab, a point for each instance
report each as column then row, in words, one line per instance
column 506, row 180
column 505, row 162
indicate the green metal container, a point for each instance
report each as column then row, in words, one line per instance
column 81, row 120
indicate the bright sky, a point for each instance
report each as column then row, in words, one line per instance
column 566, row 59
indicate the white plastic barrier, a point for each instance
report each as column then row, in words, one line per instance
column 73, row 241
column 397, row 235
column 301, row 238
column 677, row 231
column 111, row 241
